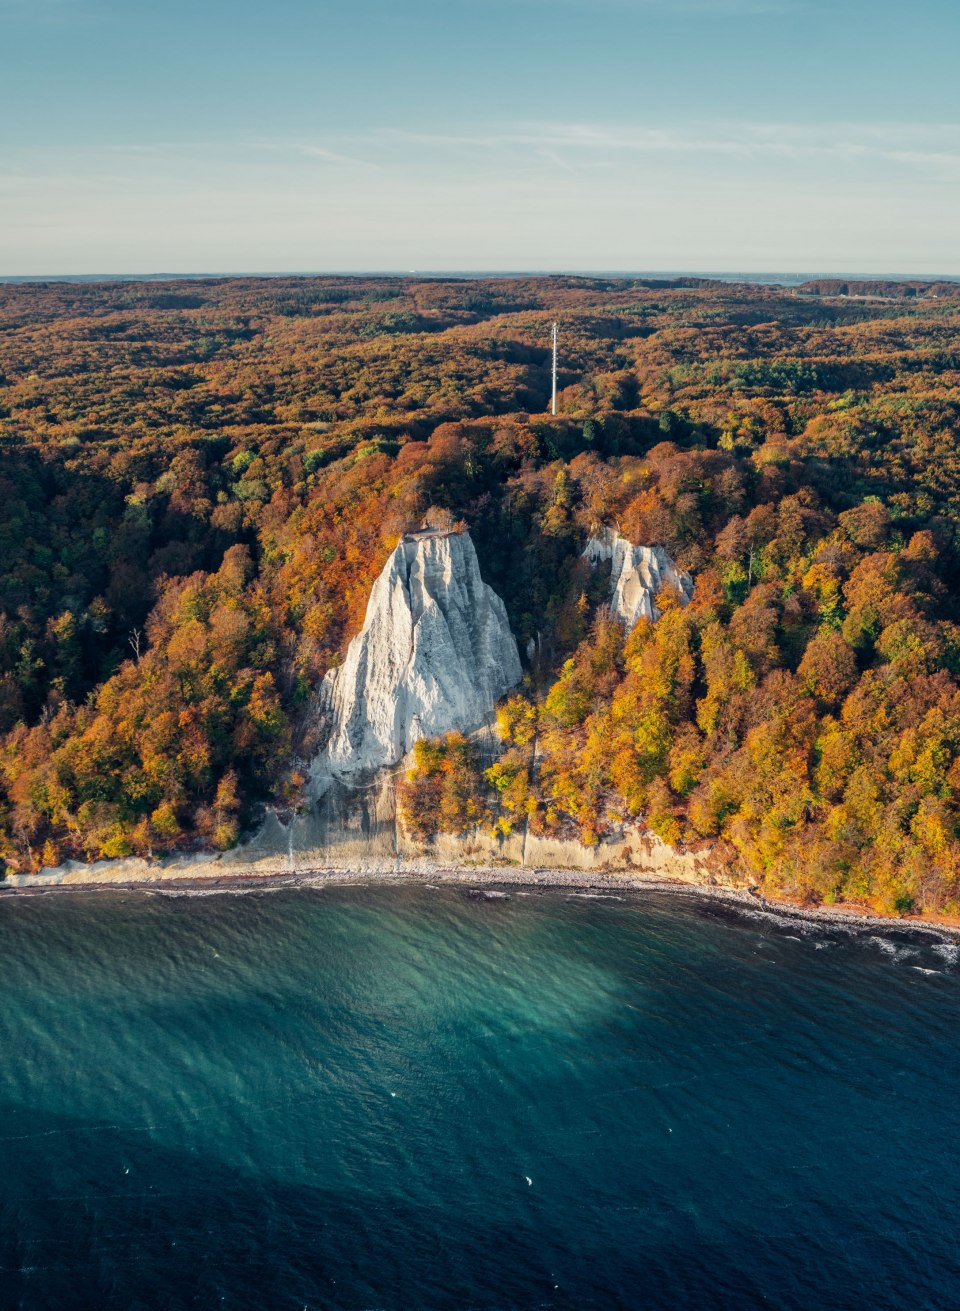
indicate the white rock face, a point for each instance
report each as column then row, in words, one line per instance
column 638, row 574
column 434, row 655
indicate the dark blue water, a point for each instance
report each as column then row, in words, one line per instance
column 402, row 1098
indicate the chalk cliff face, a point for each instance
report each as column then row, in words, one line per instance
column 638, row 574
column 434, row 655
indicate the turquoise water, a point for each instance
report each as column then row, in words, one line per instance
column 401, row 1098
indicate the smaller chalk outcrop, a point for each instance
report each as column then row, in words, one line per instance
column 434, row 655
column 639, row 574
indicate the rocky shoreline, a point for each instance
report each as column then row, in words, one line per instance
column 495, row 881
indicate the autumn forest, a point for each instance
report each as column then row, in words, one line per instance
column 201, row 479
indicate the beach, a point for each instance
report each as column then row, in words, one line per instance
column 497, row 881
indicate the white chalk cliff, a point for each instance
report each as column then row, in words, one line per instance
column 638, row 574
column 434, row 655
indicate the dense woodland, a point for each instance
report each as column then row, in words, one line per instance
column 201, row 480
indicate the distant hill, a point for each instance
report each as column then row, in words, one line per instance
column 879, row 287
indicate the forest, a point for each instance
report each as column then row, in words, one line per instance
column 201, row 479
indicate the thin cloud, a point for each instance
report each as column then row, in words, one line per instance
column 522, row 194
column 324, row 155
column 567, row 146
column 935, row 146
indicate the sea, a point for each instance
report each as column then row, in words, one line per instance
column 366, row 1097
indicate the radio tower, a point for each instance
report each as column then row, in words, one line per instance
column 553, row 403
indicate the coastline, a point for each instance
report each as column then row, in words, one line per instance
column 495, row 881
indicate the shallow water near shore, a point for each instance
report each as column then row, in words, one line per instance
column 385, row 1097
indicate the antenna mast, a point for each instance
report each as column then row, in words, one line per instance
column 553, row 403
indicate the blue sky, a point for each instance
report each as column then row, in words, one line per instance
column 735, row 135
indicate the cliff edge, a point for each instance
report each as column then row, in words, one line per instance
column 639, row 574
column 434, row 655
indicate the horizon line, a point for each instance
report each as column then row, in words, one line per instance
column 719, row 275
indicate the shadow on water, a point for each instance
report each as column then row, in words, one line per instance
column 158, row 1228
column 151, row 1228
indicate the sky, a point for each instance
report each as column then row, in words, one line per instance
column 808, row 136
